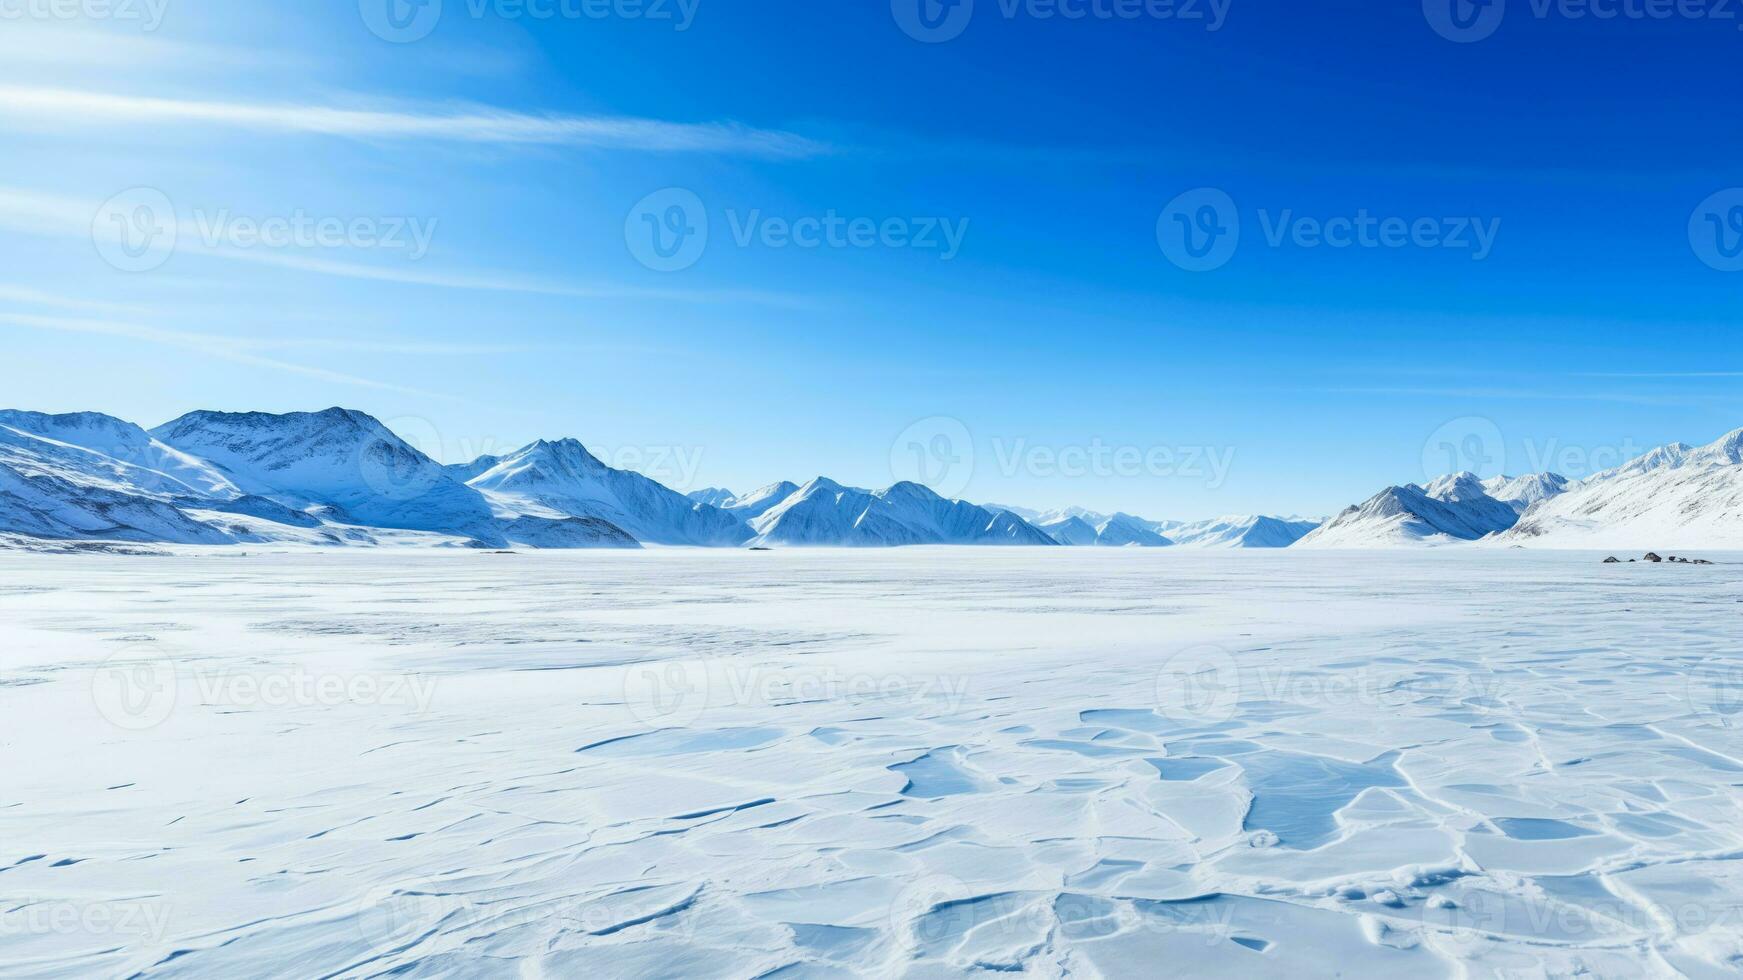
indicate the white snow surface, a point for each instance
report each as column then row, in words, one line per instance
column 928, row 762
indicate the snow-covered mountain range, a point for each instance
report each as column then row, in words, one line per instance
column 1452, row 508
column 825, row 512
column 1242, row 532
column 562, row 479
column 339, row 477
column 1676, row 496
column 1079, row 527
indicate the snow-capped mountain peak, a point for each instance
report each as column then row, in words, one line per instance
column 560, row 478
column 823, row 512
column 337, row 458
column 1675, row 496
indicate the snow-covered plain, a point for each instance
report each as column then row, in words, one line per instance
column 922, row 762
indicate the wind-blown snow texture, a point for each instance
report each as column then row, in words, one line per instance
column 935, row 762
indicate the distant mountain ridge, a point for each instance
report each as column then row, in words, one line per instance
column 1453, row 508
column 1676, row 496
column 824, row 512
column 340, row 478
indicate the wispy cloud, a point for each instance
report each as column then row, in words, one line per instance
column 211, row 345
column 36, row 213
column 67, row 107
column 1522, row 394
column 1662, row 374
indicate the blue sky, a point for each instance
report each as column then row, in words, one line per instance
column 1000, row 289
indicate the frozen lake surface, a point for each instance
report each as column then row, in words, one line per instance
column 920, row 763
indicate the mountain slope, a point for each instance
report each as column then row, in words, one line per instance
column 1126, row 531
column 758, row 502
column 562, row 479
column 42, row 497
column 464, row 472
column 824, row 512
column 334, row 459
column 1676, row 496
column 1243, row 531
column 1457, row 510
column 712, row 496
column 118, row 452
column 1523, row 491
column 1072, row 531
